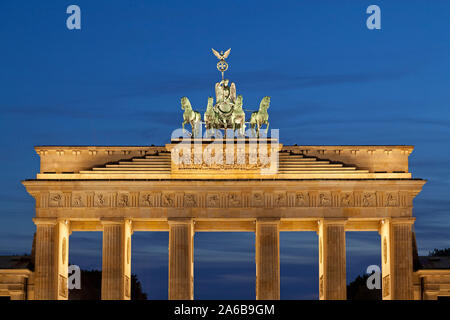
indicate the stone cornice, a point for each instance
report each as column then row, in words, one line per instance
column 37, row 185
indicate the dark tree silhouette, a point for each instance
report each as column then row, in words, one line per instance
column 440, row 253
column 91, row 287
column 357, row 290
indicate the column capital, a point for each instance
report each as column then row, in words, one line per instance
column 45, row 221
column 408, row 220
column 104, row 221
column 396, row 221
column 332, row 221
column 268, row 220
column 172, row 221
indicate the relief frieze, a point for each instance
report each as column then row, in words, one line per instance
column 234, row 199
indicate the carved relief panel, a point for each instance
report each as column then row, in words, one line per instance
column 101, row 199
column 190, row 200
column 123, row 199
column 391, row 199
column 79, row 199
column 346, row 199
column 369, row 199
column 168, row 200
column 55, row 199
column 280, row 199
column 234, row 199
column 257, row 199
column 325, row 199
column 213, row 200
column 147, row 199
column 302, row 199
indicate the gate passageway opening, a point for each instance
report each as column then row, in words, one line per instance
column 362, row 250
column 150, row 263
column 85, row 251
column 224, row 266
column 299, row 266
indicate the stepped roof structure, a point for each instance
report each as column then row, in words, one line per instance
column 292, row 162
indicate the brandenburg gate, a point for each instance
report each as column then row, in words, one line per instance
column 249, row 184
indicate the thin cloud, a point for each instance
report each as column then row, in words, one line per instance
column 180, row 85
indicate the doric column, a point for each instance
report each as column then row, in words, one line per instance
column 332, row 278
column 52, row 255
column 397, row 258
column 267, row 249
column 181, row 259
column 116, row 269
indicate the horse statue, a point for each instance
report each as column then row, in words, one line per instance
column 238, row 116
column 260, row 117
column 210, row 117
column 190, row 116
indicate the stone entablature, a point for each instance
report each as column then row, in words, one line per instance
column 227, row 194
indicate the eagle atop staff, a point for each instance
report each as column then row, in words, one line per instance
column 221, row 55
column 222, row 65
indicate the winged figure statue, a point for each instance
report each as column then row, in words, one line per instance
column 225, row 92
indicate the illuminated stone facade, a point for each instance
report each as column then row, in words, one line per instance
column 120, row 190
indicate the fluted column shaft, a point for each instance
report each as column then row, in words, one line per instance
column 267, row 249
column 181, row 259
column 52, row 255
column 397, row 258
column 116, row 269
column 332, row 262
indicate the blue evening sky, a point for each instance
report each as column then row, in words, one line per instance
column 118, row 81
